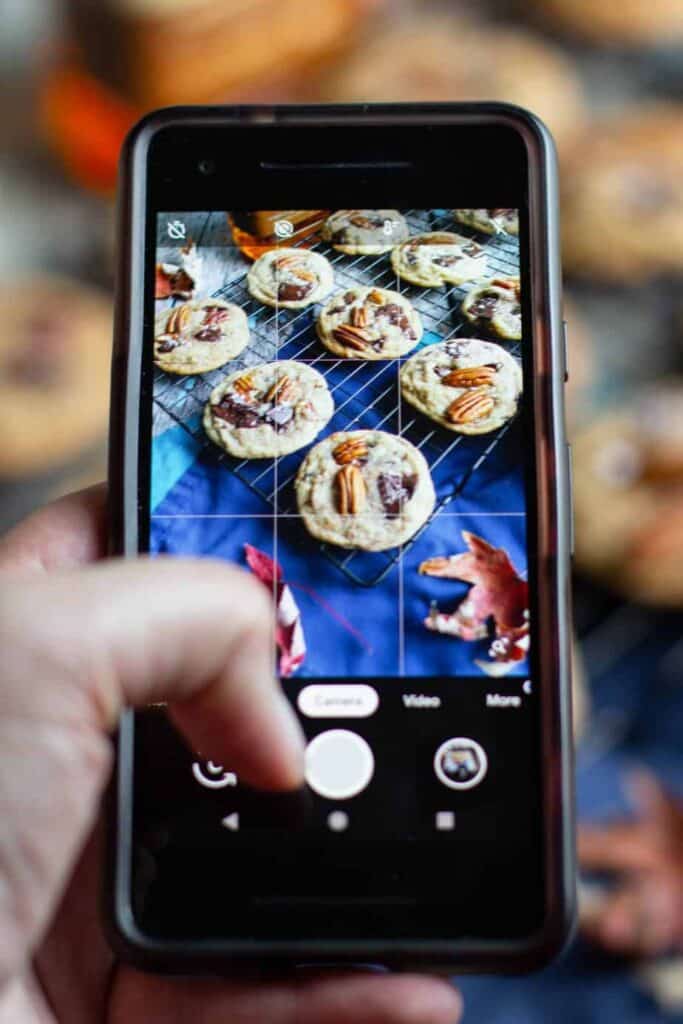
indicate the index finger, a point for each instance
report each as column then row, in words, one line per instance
column 619, row 847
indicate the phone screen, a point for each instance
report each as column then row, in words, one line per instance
column 338, row 403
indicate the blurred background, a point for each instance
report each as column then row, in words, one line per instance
column 608, row 80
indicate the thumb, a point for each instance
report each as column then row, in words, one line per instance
column 78, row 647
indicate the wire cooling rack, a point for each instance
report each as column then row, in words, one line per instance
column 365, row 393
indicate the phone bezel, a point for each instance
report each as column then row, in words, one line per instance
column 553, row 526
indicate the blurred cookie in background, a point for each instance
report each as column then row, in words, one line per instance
column 629, row 22
column 622, row 213
column 440, row 58
column 628, row 496
column 160, row 52
column 55, row 356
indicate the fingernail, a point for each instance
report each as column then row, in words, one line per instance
column 445, row 1006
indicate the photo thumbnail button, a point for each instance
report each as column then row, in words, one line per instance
column 460, row 763
column 338, row 700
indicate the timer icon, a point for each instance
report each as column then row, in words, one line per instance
column 284, row 228
column 176, row 229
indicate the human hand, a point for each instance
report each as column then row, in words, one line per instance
column 643, row 915
column 78, row 643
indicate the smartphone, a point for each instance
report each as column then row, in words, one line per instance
column 363, row 408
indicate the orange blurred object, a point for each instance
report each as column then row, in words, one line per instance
column 86, row 124
column 133, row 56
column 255, row 231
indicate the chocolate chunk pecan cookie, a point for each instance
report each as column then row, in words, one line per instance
column 622, row 212
column 491, row 222
column 290, row 278
column 365, row 232
column 268, row 410
column 199, row 336
column 369, row 323
column 364, row 489
column 495, row 306
column 465, row 385
column 55, row 352
column 436, row 257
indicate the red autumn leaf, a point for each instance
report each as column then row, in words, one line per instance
column 171, row 280
column 497, row 591
column 289, row 634
column 162, row 284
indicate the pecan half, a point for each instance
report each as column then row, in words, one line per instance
column 351, row 490
column 288, row 261
column 352, row 337
column 244, row 384
column 376, row 296
column 508, row 283
column 359, row 316
column 280, row 391
column 178, row 319
column 352, row 450
column 303, row 275
column 472, row 405
column 469, row 377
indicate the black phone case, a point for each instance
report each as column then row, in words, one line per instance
column 555, row 531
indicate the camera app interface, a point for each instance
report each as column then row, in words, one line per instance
column 337, row 407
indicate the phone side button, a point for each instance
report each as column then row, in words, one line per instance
column 570, row 498
column 565, row 351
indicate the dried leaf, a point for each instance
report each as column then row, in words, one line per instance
column 289, row 634
column 497, row 593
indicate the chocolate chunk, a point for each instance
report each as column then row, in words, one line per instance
column 471, row 249
column 208, row 334
column 484, row 306
column 290, row 292
column 395, row 489
column 398, row 317
column 445, row 261
column 168, row 344
column 238, row 413
column 392, row 312
column 349, row 297
column 279, row 416
column 215, row 315
column 361, row 221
